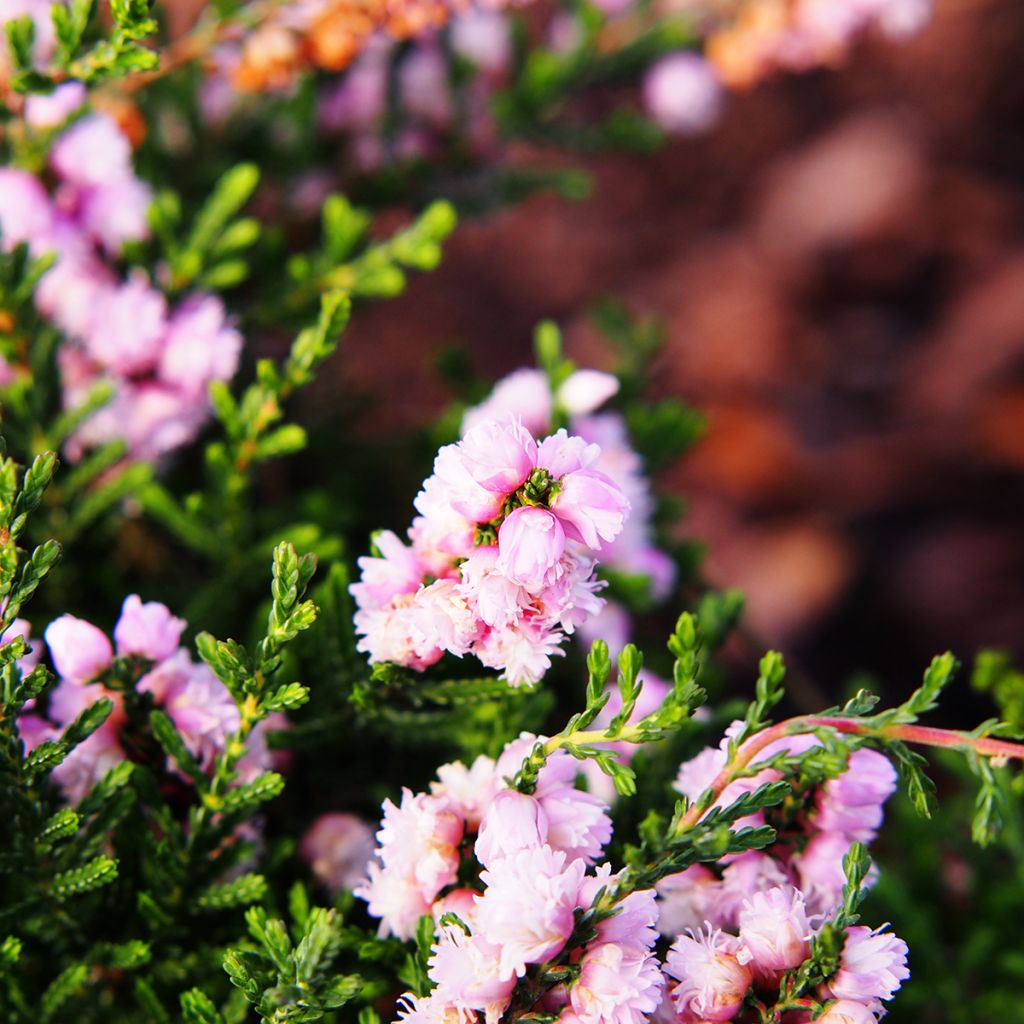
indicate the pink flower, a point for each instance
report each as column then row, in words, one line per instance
column 745, row 875
column 92, row 152
column 148, row 630
column 499, row 456
column 423, row 84
column 358, row 99
column 683, row 93
column 431, row 1010
column 417, row 857
column 514, row 821
column 44, row 112
column 128, row 326
column 528, row 906
column 561, row 454
column 774, row 930
column 497, row 600
column 69, row 293
column 23, row 629
column 338, row 848
column 396, row 570
column 686, row 900
column 200, row 346
column 461, row 902
column 34, row 730
column 203, row 711
column 530, row 543
column 525, row 394
column 25, row 211
column 523, row 652
column 88, row 763
column 68, row 700
column 452, row 486
column 591, row 507
column 845, row 1011
column 872, row 967
column 712, row 981
column 79, row 651
column 483, row 37
column 618, row 984
column 468, row 791
column 556, row 814
column 117, row 212
column 820, row 869
column 469, row 975
column 852, row 803
column 585, row 390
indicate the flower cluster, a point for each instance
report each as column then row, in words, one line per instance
column 329, row 35
column 752, row 918
column 513, row 885
column 771, row 35
column 430, row 107
column 196, row 701
column 504, row 875
column 813, row 842
column 160, row 360
column 527, row 393
column 501, row 561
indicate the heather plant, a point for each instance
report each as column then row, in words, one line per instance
column 447, row 770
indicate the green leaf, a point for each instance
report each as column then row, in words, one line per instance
column 170, row 739
column 229, row 195
column 250, row 795
column 98, row 872
column 239, row 892
column 196, row 1008
column 62, row 988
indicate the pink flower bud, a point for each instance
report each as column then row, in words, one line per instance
column 148, row 630
column 44, row 111
column 683, row 93
column 591, row 506
column 530, row 543
column 79, row 650
column 585, row 390
column 338, row 848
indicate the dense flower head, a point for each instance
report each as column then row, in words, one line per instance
column 160, row 360
column 842, row 810
column 529, row 873
column 197, row 702
column 500, row 561
column 509, row 877
column 598, row 440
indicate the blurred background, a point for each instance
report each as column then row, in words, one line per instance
column 839, row 265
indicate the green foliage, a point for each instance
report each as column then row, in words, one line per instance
column 379, row 269
column 286, row 981
column 83, row 52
